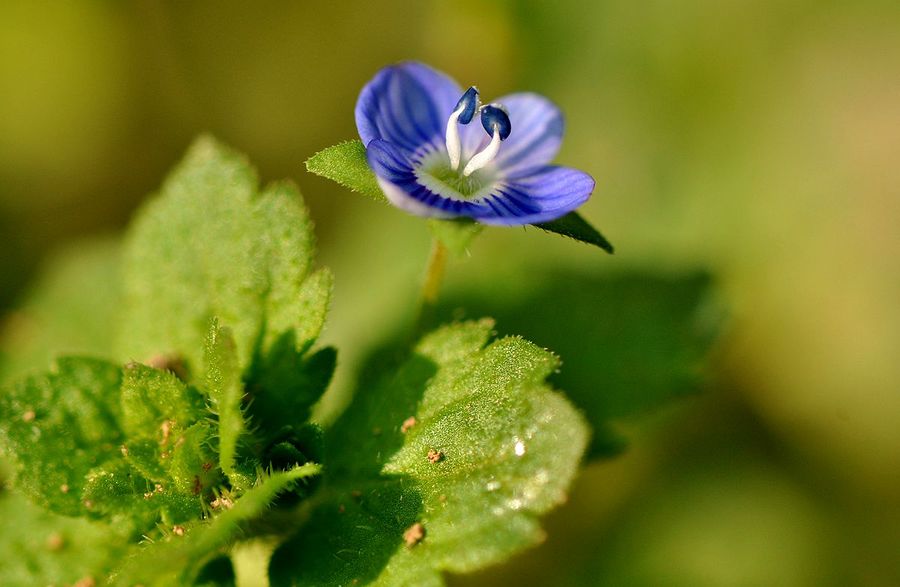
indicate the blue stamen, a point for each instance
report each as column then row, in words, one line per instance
column 469, row 104
column 495, row 118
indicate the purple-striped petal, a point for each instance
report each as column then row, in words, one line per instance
column 537, row 130
column 406, row 104
column 545, row 194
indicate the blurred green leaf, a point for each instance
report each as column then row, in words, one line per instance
column 345, row 163
column 70, row 310
column 211, row 245
column 41, row 548
column 58, row 426
column 574, row 226
column 630, row 341
column 464, row 439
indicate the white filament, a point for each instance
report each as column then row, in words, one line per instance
column 454, row 148
column 487, row 154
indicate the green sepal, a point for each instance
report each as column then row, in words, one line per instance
column 574, row 226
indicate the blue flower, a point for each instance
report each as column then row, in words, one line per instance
column 433, row 158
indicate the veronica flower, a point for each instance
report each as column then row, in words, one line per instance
column 438, row 152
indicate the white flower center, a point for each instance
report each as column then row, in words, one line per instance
column 495, row 121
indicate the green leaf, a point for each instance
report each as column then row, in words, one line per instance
column 226, row 392
column 177, row 559
column 345, row 163
column 58, row 426
column 288, row 384
column 41, row 548
column 574, row 226
column 155, row 403
column 490, row 448
column 191, row 461
column 211, row 245
column 646, row 342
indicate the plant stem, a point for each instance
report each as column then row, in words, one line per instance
column 431, row 287
column 434, row 273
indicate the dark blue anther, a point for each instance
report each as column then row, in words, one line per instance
column 494, row 115
column 469, row 103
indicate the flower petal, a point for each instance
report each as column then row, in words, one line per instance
column 545, row 194
column 537, row 130
column 397, row 178
column 406, row 104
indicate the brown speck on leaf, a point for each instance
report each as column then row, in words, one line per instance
column 206, row 466
column 434, row 455
column 341, row 509
column 356, row 494
column 221, row 502
column 29, row 416
column 85, row 582
column 166, row 429
column 197, row 486
column 64, row 488
column 178, row 530
column 408, row 424
column 414, row 534
column 55, row 542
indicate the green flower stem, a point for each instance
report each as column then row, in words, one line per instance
column 434, row 273
column 431, row 287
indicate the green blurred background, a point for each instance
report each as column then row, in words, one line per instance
column 752, row 141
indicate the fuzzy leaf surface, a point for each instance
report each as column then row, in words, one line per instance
column 178, row 557
column 226, row 392
column 59, row 425
column 213, row 245
column 488, row 449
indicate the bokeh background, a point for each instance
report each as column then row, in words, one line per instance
column 747, row 146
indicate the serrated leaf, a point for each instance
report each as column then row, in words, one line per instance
column 178, row 558
column 345, row 163
column 574, row 226
column 58, row 426
column 212, row 245
column 646, row 342
column 464, row 439
column 226, row 392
